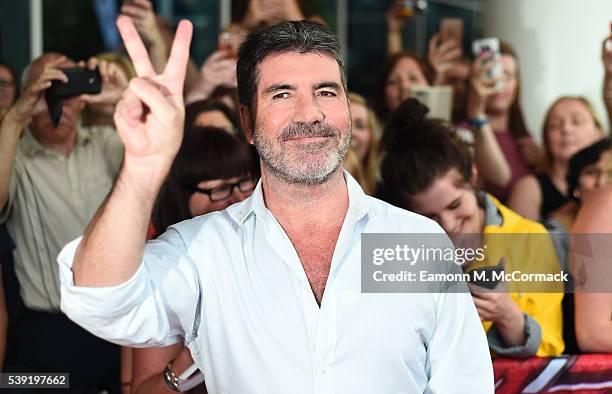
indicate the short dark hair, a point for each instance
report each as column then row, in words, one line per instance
column 206, row 153
column 584, row 158
column 417, row 151
column 193, row 110
column 294, row 36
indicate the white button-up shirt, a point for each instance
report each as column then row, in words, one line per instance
column 231, row 285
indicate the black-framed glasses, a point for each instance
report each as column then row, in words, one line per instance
column 5, row 84
column 220, row 193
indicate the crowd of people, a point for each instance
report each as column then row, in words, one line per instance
column 479, row 173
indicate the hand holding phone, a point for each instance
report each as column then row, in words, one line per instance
column 439, row 100
column 451, row 30
column 487, row 277
column 488, row 56
column 231, row 39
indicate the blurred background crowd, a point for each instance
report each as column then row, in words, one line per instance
column 505, row 135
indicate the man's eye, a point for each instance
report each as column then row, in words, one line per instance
column 281, row 95
column 327, row 93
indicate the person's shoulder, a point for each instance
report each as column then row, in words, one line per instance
column 593, row 216
column 390, row 218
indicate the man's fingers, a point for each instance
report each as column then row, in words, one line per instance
column 179, row 56
column 146, row 4
column 134, row 12
column 135, row 47
column 152, row 96
column 56, row 62
column 92, row 63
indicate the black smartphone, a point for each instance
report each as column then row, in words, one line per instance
column 487, row 277
column 80, row 81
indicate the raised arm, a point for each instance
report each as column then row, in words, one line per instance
column 395, row 24
column 488, row 156
column 149, row 119
column 18, row 117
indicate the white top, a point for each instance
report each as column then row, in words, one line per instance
column 257, row 327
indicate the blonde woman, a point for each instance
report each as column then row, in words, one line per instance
column 365, row 137
column 569, row 126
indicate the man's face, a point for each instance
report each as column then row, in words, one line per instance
column 302, row 125
column 41, row 120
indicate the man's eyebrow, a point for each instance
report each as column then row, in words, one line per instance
column 276, row 87
column 328, row 84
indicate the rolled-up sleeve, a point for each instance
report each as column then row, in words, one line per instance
column 155, row 307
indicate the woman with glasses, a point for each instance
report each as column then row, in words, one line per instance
column 213, row 170
column 8, row 87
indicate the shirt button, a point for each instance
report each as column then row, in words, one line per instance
column 322, row 371
column 312, row 314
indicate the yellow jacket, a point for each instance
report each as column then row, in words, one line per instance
column 529, row 249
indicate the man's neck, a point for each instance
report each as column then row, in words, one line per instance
column 63, row 147
column 296, row 205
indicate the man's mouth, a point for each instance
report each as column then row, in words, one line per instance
column 308, row 138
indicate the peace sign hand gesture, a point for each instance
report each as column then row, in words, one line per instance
column 150, row 115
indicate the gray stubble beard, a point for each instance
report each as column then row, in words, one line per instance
column 282, row 164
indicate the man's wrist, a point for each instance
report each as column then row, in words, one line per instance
column 12, row 123
column 146, row 173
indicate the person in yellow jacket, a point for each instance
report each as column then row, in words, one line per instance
column 427, row 169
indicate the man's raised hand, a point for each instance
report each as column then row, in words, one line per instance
column 150, row 115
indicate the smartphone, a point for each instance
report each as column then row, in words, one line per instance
column 451, row 29
column 439, row 100
column 487, row 277
column 490, row 45
column 80, row 81
column 230, row 40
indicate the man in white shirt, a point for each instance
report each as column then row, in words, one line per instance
column 266, row 294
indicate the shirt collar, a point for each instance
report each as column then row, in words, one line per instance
column 255, row 204
column 493, row 216
column 32, row 146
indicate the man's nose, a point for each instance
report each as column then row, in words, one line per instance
column 307, row 110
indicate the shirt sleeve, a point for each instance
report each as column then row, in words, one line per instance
column 156, row 307
column 533, row 338
column 458, row 358
column 5, row 211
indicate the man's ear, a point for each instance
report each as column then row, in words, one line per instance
column 245, row 121
column 474, row 177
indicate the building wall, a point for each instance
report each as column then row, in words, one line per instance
column 559, row 46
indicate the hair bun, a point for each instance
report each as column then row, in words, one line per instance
column 404, row 125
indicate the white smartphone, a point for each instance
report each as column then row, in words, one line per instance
column 439, row 100
column 490, row 44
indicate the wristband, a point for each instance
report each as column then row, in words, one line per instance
column 477, row 123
